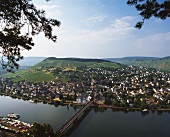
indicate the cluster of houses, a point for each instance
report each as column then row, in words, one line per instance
column 128, row 86
column 10, row 124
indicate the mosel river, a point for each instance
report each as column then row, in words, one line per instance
column 97, row 123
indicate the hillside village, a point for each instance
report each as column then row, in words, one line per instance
column 129, row 87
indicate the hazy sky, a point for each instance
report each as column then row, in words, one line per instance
column 100, row 29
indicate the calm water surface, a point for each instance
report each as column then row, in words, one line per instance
column 32, row 112
column 97, row 123
column 111, row 123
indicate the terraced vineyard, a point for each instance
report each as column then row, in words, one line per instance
column 76, row 62
column 43, row 70
column 31, row 76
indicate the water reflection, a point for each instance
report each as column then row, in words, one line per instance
column 56, row 114
column 123, row 123
column 99, row 109
column 99, row 122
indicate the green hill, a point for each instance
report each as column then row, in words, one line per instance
column 150, row 62
column 30, row 76
column 75, row 62
column 43, row 70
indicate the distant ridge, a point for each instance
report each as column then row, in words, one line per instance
column 140, row 58
column 168, row 57
column 131, row 58
column 78, row 59
column 150, row 62
column 30, row 61
column 77, row 62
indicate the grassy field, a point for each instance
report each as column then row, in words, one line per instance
column 30, row 76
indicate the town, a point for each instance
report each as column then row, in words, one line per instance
column 127, row 87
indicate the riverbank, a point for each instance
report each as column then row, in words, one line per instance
column 130, row 108
column 35, row 100
column 37, row 112
column 13, row 125
column 55, row 103
column 96, row 123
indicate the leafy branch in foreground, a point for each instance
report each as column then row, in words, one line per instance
column 149, row 8
column 16, row 16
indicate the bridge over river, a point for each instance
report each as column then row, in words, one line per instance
column 74, row 118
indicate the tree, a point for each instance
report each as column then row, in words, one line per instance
column 40, row 130
column 14, row 16
column 149, row 8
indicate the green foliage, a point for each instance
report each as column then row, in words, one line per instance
column 40, row 130
column 29, row 76
column 14, row 16
column 75, row 62
column 149, row 8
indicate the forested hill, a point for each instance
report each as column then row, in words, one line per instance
column 77, row 59
column 150, row 62
column 45, row 70
column 123, row 59
column 76, row 62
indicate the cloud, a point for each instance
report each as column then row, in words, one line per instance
column 51, row 10
column 154, row 45
column 117, row 30
column 124, row 22
column 49, row 7
column 97, row 18
column 108, row 41
column 154, row 40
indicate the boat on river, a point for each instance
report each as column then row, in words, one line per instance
column 145, row 110
column 31, row 101
column 13, row 116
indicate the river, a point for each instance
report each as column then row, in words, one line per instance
column 98, row 122
column 111, row 123
column 32, row 112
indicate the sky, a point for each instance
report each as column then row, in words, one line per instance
column 100, row 29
